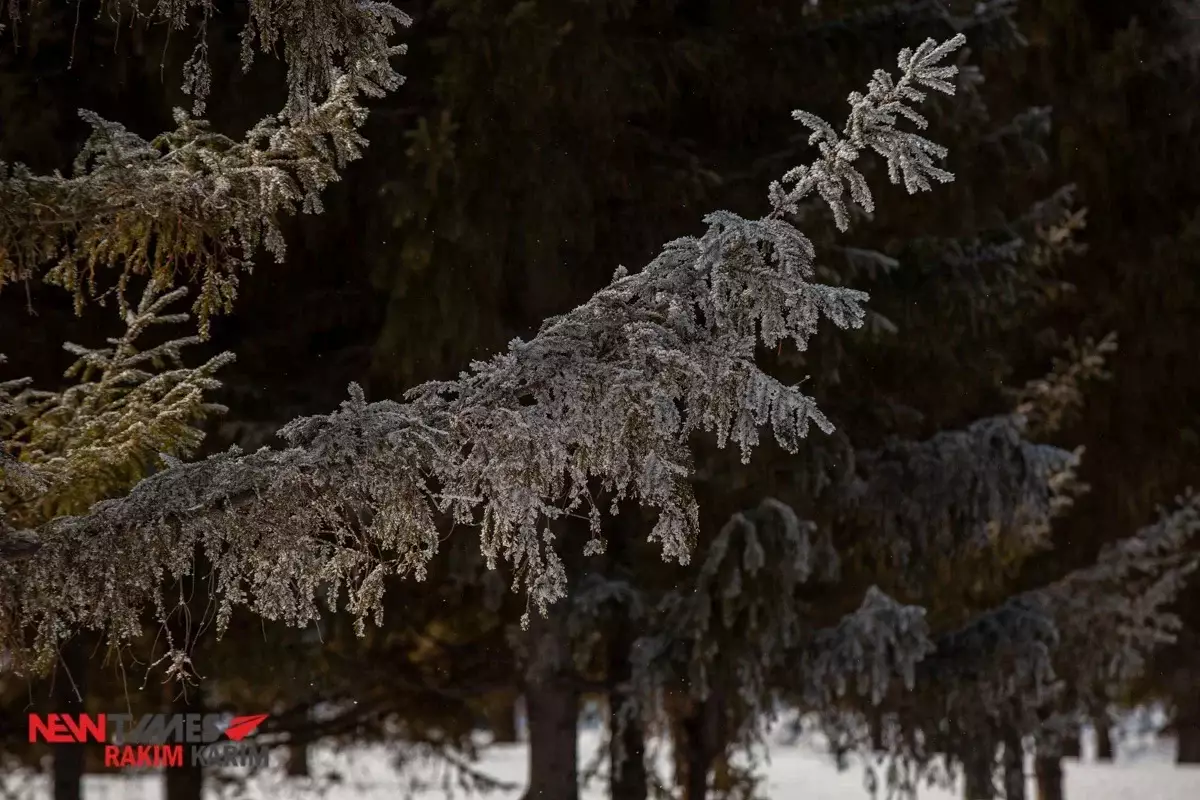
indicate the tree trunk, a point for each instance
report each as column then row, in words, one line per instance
column 1049, row 773
column 627, row 748
column 501, row 712
column 1014, row 768
column 297, row 760
column 696, row 759
column 1072, row 747
column 70, row 695
column 186, row 782
column 877, row 743
column 297, row 765
column 627, row 755
column 977, row 777
column 1187, row 729
column 552, row 709
column 1104, row 742
column 700, row 743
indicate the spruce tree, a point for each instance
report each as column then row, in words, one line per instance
column 1124, row 79
column 1018, row 271
column 361, row 511
column 682, row 330
column 128, row 407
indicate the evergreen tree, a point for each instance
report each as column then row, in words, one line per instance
column 1124, row 79
column 682, row 330
column 192, row 202
column 802, row 410
column 65, row 451
column 903, row 455
column 1000, row 282
column 126, row 409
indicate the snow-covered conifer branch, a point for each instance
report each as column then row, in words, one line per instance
column 193, row 203
column 872, row 124
column 867, row 649
column 1046, row 404
column 608, row 392
column 987, row 486
column 1091, row 631
column 128, row 411
column 1103, row 619
column 1006, row 670
column 984, row 491
column 959, row 491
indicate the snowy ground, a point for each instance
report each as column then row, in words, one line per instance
column 1143, row 771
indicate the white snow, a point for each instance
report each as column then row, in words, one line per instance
column 1143, row 770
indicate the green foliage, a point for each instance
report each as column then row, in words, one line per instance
column 128, row 412
column 191, row 203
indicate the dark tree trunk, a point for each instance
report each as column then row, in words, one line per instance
column 1049, row 773
column 552, row 708
column 297, row 765
column 297, row 760
column 977, row 776
column 553, row 750
column 1187, row 729
column 627, row 756
column 696, row 760
column 500, row 710
column 1104, row 742
column 627, row 749
column 877, row 743
column 1072, row 747
column 70, row 695
column 701, row 743
column 1014, row 768
column 186, row 782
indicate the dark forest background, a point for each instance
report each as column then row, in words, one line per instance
column 537, row 145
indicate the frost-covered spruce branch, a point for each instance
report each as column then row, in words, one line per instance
column 107, row 430
column 981, row 492
column 982, row 487
column 607, row 392
column 63, row 451
column 961, row 494
column 962, row 491
column 872, row 124
column 1091, row 631
column 191, row 204
column 740, row 619
column 957, row 494
column 194, row 202
column 1005, row 671
column 320, row 40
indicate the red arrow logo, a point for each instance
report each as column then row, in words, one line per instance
column 241, row 727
